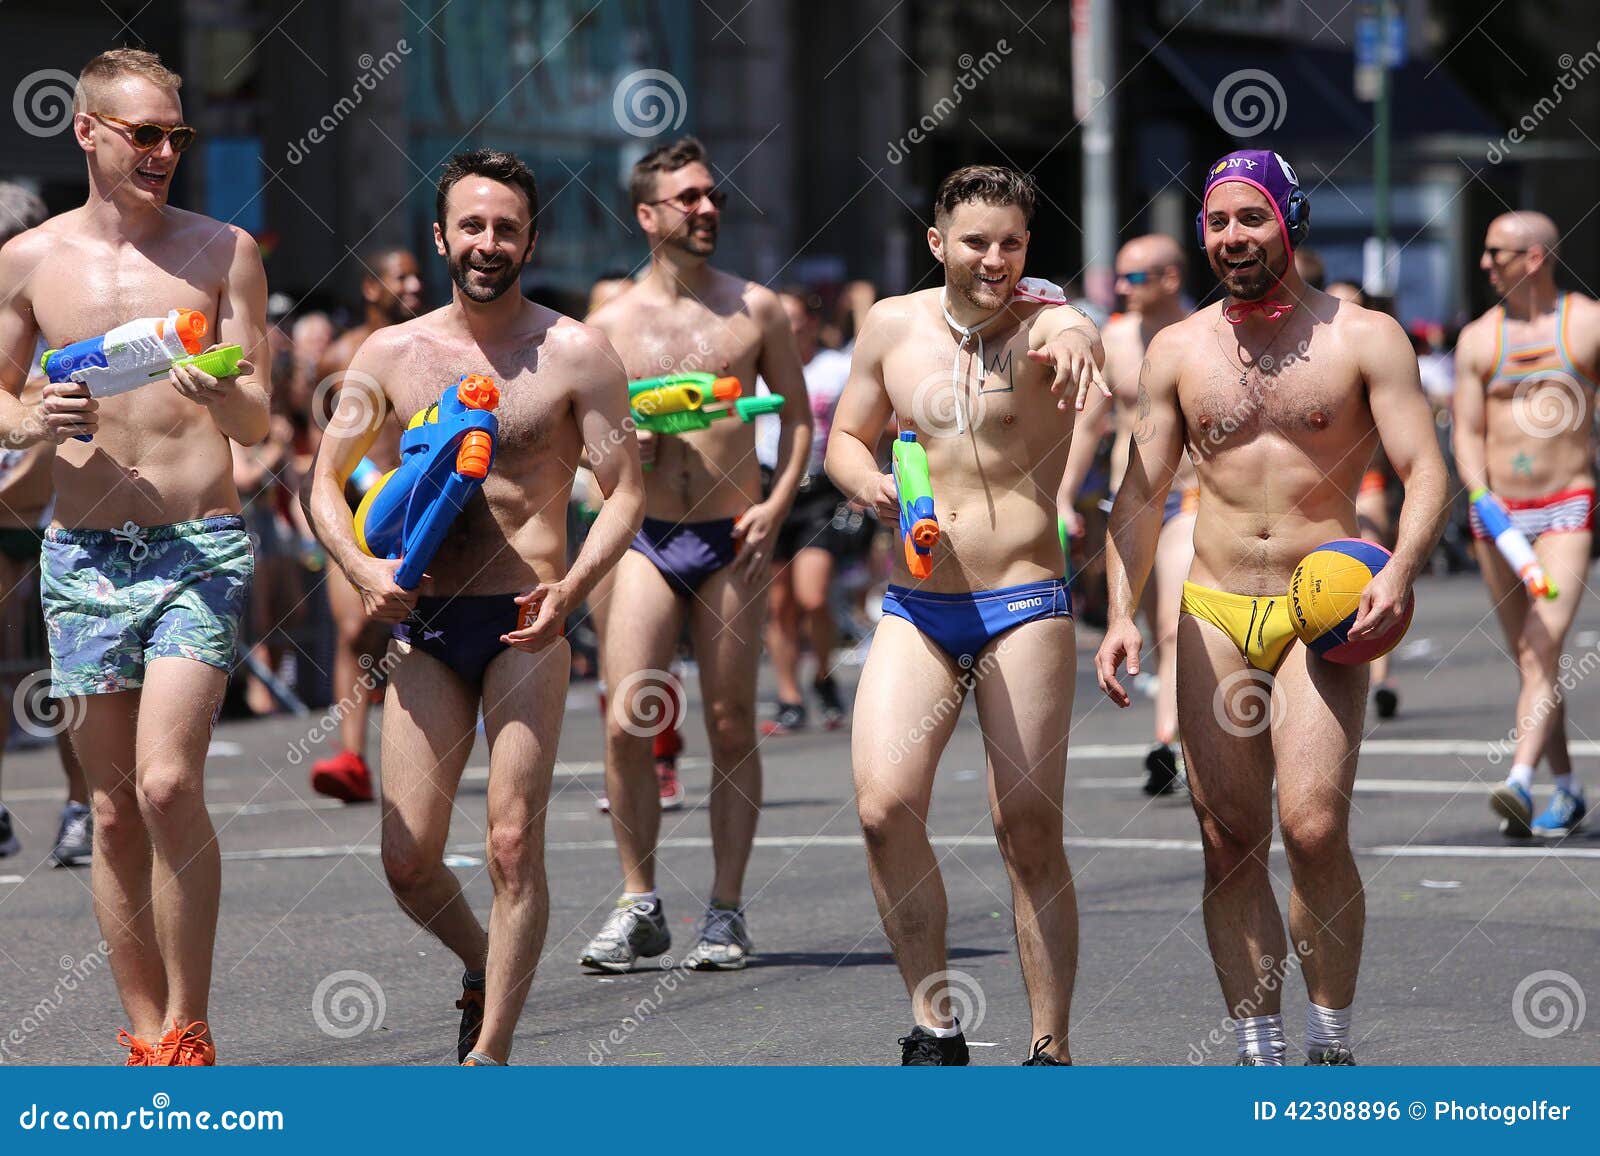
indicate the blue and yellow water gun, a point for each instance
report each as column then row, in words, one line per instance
column 445, row 453
column 919, row 524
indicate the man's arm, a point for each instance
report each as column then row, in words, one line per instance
column 859, row 418
column 1406, row 433
column 1468, row 425
column 359, row 411
column 21, row 424
column 1154, row 453
column 600, row 407
column 238, row 405
column 1065, row 339
column 779, row 365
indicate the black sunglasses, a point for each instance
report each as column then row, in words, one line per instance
column 1494, row 253
column 146, row 135
column 689, row 200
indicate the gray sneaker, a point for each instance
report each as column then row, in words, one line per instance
column 1332, row 1056
column 9, row 844
column 724, row 942
column 631, row 931
column 75, row 840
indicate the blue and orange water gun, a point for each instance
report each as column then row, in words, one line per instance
column 919, row 525
column 445, row 453
column 139, row 353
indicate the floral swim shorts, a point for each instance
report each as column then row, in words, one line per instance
column 116, row 599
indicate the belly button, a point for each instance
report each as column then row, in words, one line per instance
column 133, row 473
column 1010, row 418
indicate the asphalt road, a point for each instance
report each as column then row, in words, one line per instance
column 1458, row 920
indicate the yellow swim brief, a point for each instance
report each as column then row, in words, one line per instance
column 1258, row 624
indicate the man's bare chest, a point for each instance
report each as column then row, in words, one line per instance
column 701, row 342
column 74, row 300
column 534, row 413
column 938, row 389
column 1297, row 397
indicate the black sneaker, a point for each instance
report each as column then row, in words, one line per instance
column 1387, row 700
column 791, row 717
column 1161, row 771
column 923, row 1049
column 1042, row 1058
column 75, row 839
column 827, row 692
column 1333, row 1056
column 8, row 837
column 471, row 1005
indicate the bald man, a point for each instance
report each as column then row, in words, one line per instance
column 1150, row 275
column 1524, row 412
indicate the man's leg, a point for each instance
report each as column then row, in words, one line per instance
column 1024, row 694
column 180, row 699
column 429, row 725
column 636, row 657
column 1223, row 707
column 813, row 574
column 524, row 697
column 907, row 704
column 355, row 636
column 725, row 631
column 103, row 734
column 1542, row 642
column 1324, row 707
column 783, row 633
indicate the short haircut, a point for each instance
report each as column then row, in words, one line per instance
column 372, row 261
column 497, row 165
column 1312, row 270
column 113, row 65
column 20, row 210
column 988, row 184
column 669, row 158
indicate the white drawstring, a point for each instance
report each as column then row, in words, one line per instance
column 957, row 378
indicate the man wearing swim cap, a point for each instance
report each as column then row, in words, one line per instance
column 983, row 371
column 1280, row 394
column 1524, row 416
column 1150, row 272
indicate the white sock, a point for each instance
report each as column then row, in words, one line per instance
column 1522, row 775
column 1325, row 1026
column 629, row 898
column 1567, row 783
column 1262, row 1037
column 949, row 1033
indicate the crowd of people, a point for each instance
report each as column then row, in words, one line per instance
column 190, row 535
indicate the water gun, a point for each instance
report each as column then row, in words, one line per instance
column 682, row 403
column 445, row 453
column 138, row 353
column 919, row 526
column 1512, row 544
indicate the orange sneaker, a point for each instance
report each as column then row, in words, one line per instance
column 186, row 1047
column 140, row 1054
column 344, row 776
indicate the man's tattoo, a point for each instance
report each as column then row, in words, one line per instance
column 1002, row 362
column 1144, row 427
column 1522, row 464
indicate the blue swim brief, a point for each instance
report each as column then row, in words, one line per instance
column 462, row 631
column 114, row 600
column 961, row 625
column 687, row 553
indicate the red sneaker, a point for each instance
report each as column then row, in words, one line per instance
column 344, row 776
column 185, row 1047
column 140, row 1053
column 671, row 790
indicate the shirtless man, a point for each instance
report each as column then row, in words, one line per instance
column 146, row 566
column 701, row 558
column 392, row 292
column 994, row 618
column 1150, row 276
column 488, row 631
column 1280, row 394
column 1524, row 411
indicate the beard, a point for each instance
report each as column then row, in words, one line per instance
column 964, row 283
column 1254, row 282
column 698, row 239
column 490, row 287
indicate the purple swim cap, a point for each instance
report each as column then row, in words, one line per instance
column 1267, row 171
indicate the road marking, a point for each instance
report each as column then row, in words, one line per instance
column 1472, row 787
column 4, row 879
column 275, row 807
column 1475, row 748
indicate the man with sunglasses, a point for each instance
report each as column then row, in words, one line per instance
column 1524, row 412
column 1150, row 275
column 700, row 559
column 147, row 564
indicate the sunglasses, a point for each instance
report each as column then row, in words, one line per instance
column 689, row 200
column 1140, row 276
column 146, row 136
column 1494, row 253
